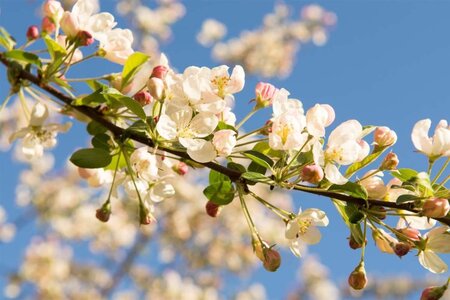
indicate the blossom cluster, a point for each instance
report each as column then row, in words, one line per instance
column 270, row 50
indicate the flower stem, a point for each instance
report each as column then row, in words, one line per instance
column 278, row 211
column 245, row 119
column 441, row 171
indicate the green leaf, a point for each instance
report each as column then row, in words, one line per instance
column 215, row 177
column 236, row 167
column 354, row 214
column 264, row 148
column 351, row 189
column 91, row 158
column 132, row 105
column 355, row 229
column 101, row 140
column 259, row 158
column 112, row 165
column 404, row 174
column 407, row 198
column 353, row 168
column 257, row 177
column 132, row 66
column 56, row 51
column 6, row 39
column 222, row 125
column 254, row 167
column 94, row 128
column 220, row 193
column 92, row 100
column 23, row 56
column 95, row 85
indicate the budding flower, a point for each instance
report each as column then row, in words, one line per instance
column 53, row 9
column 47, row 25
column 312, row 174
column 32, row 32
column 143, row 98
column 212, row 209
column 159, row 72
column 433, row 292
column 390, row 162
column 145, row 215
column 354, row 244
column 156, row 88
column 411, row 233
column 358, row 279
column 264, row 93
column 104, row 212
column 383, row 136
column 84, row 38
column 436, row 208
column 401, row 249
column 272, row 259
column 181, row 168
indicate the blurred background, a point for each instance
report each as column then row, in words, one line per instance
column 380, row 62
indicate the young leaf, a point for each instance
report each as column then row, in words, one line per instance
column 6, row 40
column 355, row 229
column 353, row 213
column 55, row 50
column 220, row 193
column 23, row 56
column 91, row 158
column 407, row 198
column 367, row 160
column 92, row 100
column 404, row 174
column 254, row 167
column 101, row 140
column 94, row 128
column 132, row 66
column 215, row 177
column 259, row 158
column 257, row 177
column 132, row 105
column 237, row 167
column 264, row 148
column 351, row 189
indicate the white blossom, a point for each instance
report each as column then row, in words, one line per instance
column 433, row 147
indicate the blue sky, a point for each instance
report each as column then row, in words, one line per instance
column 386, row 63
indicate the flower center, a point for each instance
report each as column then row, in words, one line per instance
column 304, row 225
column 220, row 83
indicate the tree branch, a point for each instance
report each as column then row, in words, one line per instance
column 234, row 175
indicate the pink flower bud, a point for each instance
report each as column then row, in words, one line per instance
column 436, row 208
column 267, row 128
column 159, row 72
column 84, row 38
column 312, row 174
column 433, row 292
column 272, row 260
column 212, row 209
column 69, row 24
column 32, row 32
column 411, row 233
column 143, row 98
column 401, row 249
column 358, row 279
column 383, row 136
column 104, row 212
column 181, row 168
column 390, row 162
column 47, row 25
column 264, row 94
column 53, row 9
column 156, row 88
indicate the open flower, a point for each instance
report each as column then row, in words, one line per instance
column 37, row 136
column 303, row 228
column 83, row 18
column 117, row 45
column 436, row 240
column 433, row 147
column 317, row 118
column 181, row 124
column 344, row 147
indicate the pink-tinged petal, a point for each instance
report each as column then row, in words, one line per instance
column 439, row 239
column 333, row 175
column 432, row 262
column 420, row 137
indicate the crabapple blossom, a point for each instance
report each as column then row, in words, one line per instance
column 384, row 241
column 37, row 136
column 344, row 147
column 144, row 164
column 117, row 45
column 83, row 18
column 53, row 10
column 435, row 241
column 390, row 162
column 303, row 228
column 312, row 174
column 224, row 141
column 317, row 118
column 433, row 147
column 374, row 185
column 383, row 136
column 436, row 208
column 264, row 94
